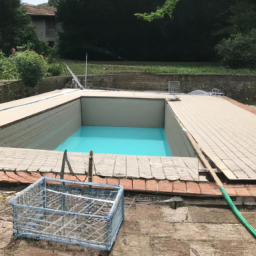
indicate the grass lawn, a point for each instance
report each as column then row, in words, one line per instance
column 108, row 67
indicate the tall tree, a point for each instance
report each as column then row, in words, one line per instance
column 53, row 3
column 13, row 20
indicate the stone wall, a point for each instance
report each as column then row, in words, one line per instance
column 239, row 87
column 14, row 90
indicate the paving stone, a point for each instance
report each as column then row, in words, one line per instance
column 126, row 183
column 139, row 184
column 4, row 177
column 165, row 186
column 206, row 189
column 193, row 188
column 230, row 190
column 252, row 191
column 179, row 187
column 29, row 178
column 113, row 181
column 15, row 177
column 98, row 179
column 151, row 185
column 242, row 191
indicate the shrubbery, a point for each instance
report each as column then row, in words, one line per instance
column 7, row 67
column 55, row 69
column 238, row 51
column 31, row 67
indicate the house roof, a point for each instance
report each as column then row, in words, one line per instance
column 40, row 10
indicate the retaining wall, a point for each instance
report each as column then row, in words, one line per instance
column 238, row 87
column 14, row 90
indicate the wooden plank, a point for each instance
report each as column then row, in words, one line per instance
column 228, row 173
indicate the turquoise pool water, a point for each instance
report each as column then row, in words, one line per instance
column 118, row 140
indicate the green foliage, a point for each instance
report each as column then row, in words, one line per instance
column 7, row 68
column 167, row 8
column 108, row 30
column 31, row 67
column 53, row 3
column 13, row 20
column 28, row 40
column 55, row 69
column 243, row 17
column 238, row 51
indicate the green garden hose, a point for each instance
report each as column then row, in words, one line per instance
column 237, row 213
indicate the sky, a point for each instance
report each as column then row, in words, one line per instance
column 35, row 2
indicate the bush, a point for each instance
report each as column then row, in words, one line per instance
column 28, row 40
column 238, row 51
column 54, row 70
column 7, row 68
column 31, row 67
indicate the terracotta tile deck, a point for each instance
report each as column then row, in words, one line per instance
column 141, row 185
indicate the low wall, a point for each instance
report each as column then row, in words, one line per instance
column 14, row 90
column 238, row 87
column 43, row 131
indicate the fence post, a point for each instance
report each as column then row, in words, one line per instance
column 90, row 165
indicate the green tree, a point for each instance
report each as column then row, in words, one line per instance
column 13, row 20
column 53, row 3
column 238, row 49
column 167, row 8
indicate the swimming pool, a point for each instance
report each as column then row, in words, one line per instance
column 118, row 140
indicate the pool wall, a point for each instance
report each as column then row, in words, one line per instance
column 178, row 142
column 45, row 130
column 124, row 112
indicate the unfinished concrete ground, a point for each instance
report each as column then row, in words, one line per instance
column 146, row 231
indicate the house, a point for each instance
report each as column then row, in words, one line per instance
column 43, row 19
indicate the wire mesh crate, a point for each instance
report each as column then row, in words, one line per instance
column 79, row 213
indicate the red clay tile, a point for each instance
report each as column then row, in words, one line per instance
column 230, row 190
column 151, row 185
column 139, row 184
column 113, row 181
column 165, row 186
column 49, row 174
column 250, row 109
column 179, row 187
column 70, row 177
column 4, row 177
column 193, row 188
column 29, row 178
column 242, row 191
column 206, row 189
column 98, row 179
column 252, row 190
column 36, row 175
column 216, row 189
column 16, row 177
column 126, row 183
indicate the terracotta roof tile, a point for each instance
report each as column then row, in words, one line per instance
column 40, row 10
